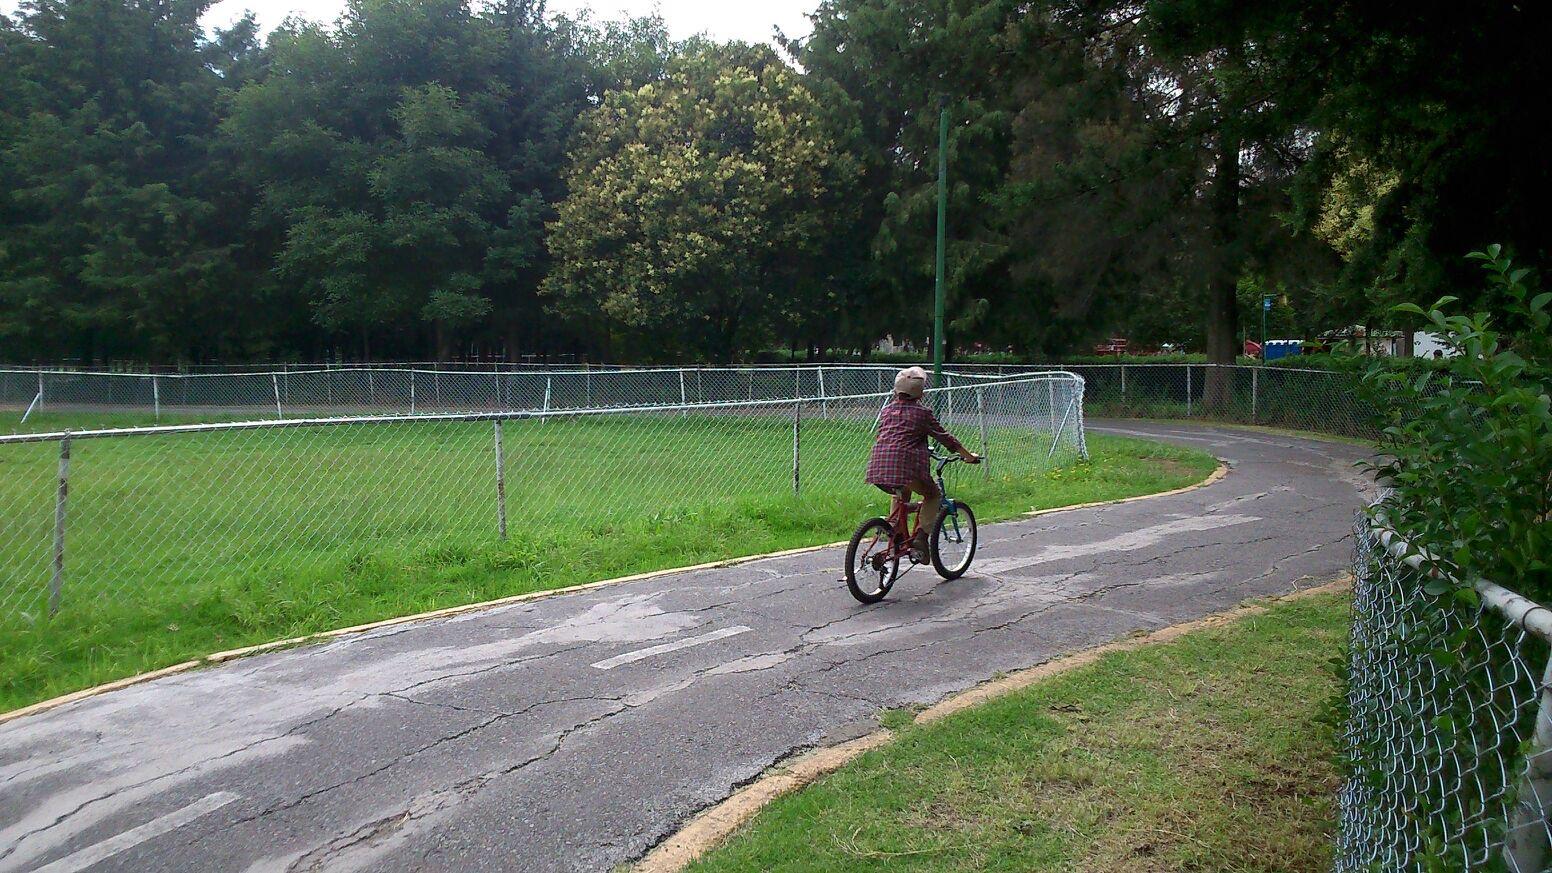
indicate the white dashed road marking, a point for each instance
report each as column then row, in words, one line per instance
column 135, row 836
column 687, row 642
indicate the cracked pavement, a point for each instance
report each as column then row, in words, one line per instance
column 575, row 732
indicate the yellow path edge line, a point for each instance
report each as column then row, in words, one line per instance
column 710, row 827
column 232, row 654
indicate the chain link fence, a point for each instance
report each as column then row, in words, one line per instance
column 99, row 399
column 160, row 518
column 1303, row 399
column 1324, row 401
column 1449, row 721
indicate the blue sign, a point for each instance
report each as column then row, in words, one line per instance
column 1266, row 303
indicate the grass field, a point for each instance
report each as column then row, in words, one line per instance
column 182, row 544
column 1208, row 753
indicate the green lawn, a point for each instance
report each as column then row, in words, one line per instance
column 1207, row 753
column 178, row 545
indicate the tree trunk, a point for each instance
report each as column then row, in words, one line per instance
column 1222, row 305
column 443, row 353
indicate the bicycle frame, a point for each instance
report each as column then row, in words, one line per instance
column 905, row 518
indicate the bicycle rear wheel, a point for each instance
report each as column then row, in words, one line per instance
column 872, row 565
column 954, row 539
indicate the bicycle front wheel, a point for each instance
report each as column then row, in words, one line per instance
column 872, row 564
column 953, row 542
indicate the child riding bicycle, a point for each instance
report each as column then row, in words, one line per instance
column 899, row 461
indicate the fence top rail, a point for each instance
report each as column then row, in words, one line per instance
column 1522, row 612
column 1203, row 364
column 572, row 371
column 965, row 369
column 490, row 415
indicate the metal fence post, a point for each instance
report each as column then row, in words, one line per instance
column 1123, row 386
column 501, row 485
column 156, row 397
column 39, row 400
column 683, row 397
column 980, row 406
column 1525, row 847
column 61, row 494
column 797, row 427
column 412, row 392
column 824, row 404
column 1255, row 394
column 36, row 399
column 1188, row 390
column 275, row 384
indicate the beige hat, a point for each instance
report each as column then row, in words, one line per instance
column 911, row 381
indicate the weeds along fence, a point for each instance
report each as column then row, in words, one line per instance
column 297, row 393
column 1448, row 737
column 164, row 519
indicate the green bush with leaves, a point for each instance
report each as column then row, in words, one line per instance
column 1470, row 448
column 1440, row 694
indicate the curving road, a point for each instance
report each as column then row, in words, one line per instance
column 573, row 733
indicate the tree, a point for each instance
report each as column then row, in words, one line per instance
column 884, row 67
column 1426, row 109
column 405, row 157
column 697, row 203
column 1151, row 161
column 111, row 239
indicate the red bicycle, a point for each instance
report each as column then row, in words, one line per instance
column 874, row 553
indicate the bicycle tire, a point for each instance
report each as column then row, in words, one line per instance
column 964, row 528
column 876, row 531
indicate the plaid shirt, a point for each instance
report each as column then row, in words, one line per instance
column 900, row 452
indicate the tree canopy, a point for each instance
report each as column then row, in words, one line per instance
column 698, row 204
column 433, row 178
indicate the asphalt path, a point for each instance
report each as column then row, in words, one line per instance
column 575, row 732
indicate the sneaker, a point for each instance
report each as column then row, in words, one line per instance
column 919, row 549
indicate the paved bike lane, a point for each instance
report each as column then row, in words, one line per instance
column 574, row 732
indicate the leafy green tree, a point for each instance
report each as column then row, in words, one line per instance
column 1428, row 108
column 696, row 203
column 885, row 67
column 406, row 157
column 111, row 233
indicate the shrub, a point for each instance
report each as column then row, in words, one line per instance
column 1470, row 446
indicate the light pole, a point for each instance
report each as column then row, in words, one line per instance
column 1266, row 306
column 937, row 297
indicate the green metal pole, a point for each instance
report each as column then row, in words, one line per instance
column 1266, row 304
column 937, row 297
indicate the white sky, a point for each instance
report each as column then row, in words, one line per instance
column 748, row 20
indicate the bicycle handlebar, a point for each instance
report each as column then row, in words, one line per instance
column 945, row 460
